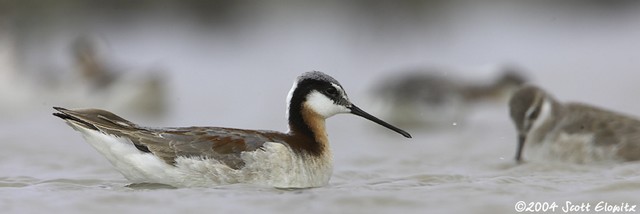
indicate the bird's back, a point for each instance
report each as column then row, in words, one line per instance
column 222, row 144
column 609, row 129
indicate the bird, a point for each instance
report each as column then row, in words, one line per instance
column 571, row 132
column 90, row 64
column 100, row 83
column 433, row 99
column 211, row 156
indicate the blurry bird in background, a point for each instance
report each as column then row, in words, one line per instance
column 101, row 84
column 89, row 65
column 427, row 98
column 91, row 81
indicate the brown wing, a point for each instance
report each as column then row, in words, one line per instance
column 610, row 128
column 222, row 144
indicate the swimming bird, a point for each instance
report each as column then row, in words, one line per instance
column 571, row 132
column 209, row 156
column 90, row 65
column 432, row 98
column 100, row 83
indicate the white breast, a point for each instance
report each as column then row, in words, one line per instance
column 573, row 148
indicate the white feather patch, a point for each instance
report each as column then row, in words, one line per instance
column 324, row 106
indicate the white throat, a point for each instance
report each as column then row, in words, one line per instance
column 545, row 115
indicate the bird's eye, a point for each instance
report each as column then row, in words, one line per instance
column 332, row 91
column 534, row 114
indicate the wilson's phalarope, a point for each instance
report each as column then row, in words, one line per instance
column 205, row 156
column 121, row 89
column 572, row 132
column 89, row 64
column 431, row 98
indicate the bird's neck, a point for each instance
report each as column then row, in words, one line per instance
column 307, row 128
column 551, row 113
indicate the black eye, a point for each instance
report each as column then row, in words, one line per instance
column 331, row 91
column 534, row 115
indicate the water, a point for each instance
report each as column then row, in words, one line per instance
column 239, row 77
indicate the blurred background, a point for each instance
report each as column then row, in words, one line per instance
column 204, row 56
column 231, row 64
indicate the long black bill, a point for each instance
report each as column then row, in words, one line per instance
column 357, row 111
column 521, row 139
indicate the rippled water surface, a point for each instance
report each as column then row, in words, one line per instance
column 239, row 77
column 462, row 170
